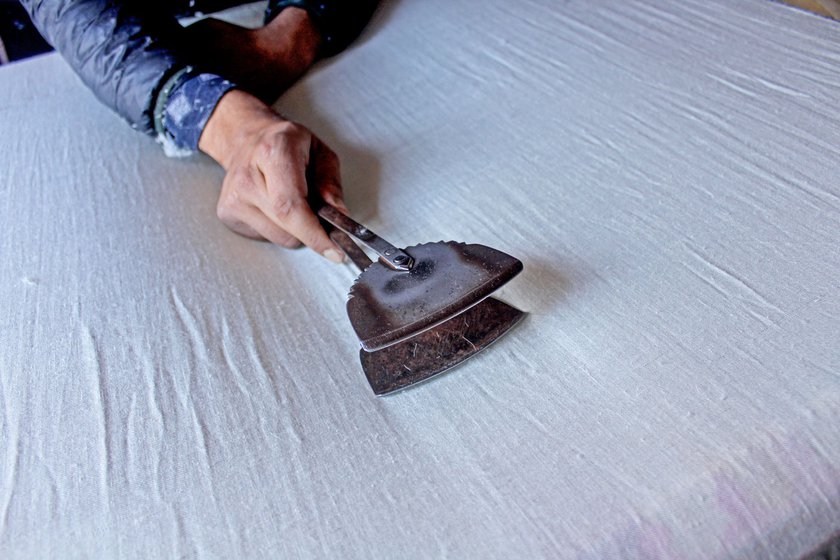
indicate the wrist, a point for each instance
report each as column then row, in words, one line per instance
column 237, row 115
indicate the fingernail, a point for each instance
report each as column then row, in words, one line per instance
column 334, row 256
column 336, row 202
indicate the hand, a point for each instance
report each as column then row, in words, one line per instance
column 272, row 166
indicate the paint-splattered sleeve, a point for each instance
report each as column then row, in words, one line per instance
column 184, row 109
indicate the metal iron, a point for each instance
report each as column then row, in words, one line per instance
column 392, row 301
column 436, row 349
column 439, row 349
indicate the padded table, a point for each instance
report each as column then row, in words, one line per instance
column 668, row 174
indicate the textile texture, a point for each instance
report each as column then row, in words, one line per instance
column 667, row 172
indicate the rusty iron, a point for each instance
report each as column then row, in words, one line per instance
column 439, row 349
column 447, row 278
column 410, row 290
column 436, row 349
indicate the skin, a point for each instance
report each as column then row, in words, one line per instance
column 273, row 167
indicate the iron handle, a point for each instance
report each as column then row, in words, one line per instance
column 389, row 255
column 359, row 258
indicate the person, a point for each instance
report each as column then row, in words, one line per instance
column 208, row 86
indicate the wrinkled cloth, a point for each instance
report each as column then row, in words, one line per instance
column 667, row 173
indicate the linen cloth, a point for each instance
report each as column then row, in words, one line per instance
column 667, row 172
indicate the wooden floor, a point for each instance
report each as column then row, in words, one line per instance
column 829, row 8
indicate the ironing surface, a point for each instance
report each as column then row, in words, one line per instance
column 667, row 173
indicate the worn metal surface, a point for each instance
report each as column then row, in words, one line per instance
column 439, row 349
column 447, row 278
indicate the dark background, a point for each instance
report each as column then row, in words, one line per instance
column 18, row 35
column 22, row 40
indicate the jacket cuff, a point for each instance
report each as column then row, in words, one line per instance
column 184, row 106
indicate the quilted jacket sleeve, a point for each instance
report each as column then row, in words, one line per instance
column 124, row 51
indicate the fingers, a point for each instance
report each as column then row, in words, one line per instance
column 265, row 191
column 326, row 174
column 236, row 211
column 286, row 207
column 254, row 220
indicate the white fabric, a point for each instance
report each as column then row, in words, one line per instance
column 667, row 171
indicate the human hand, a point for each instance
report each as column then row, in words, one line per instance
column 272, row 166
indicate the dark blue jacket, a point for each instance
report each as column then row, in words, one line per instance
column 127, row 50
column 123, row 50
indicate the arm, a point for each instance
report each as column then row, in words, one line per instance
column 122, row 51
column 272, row 165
